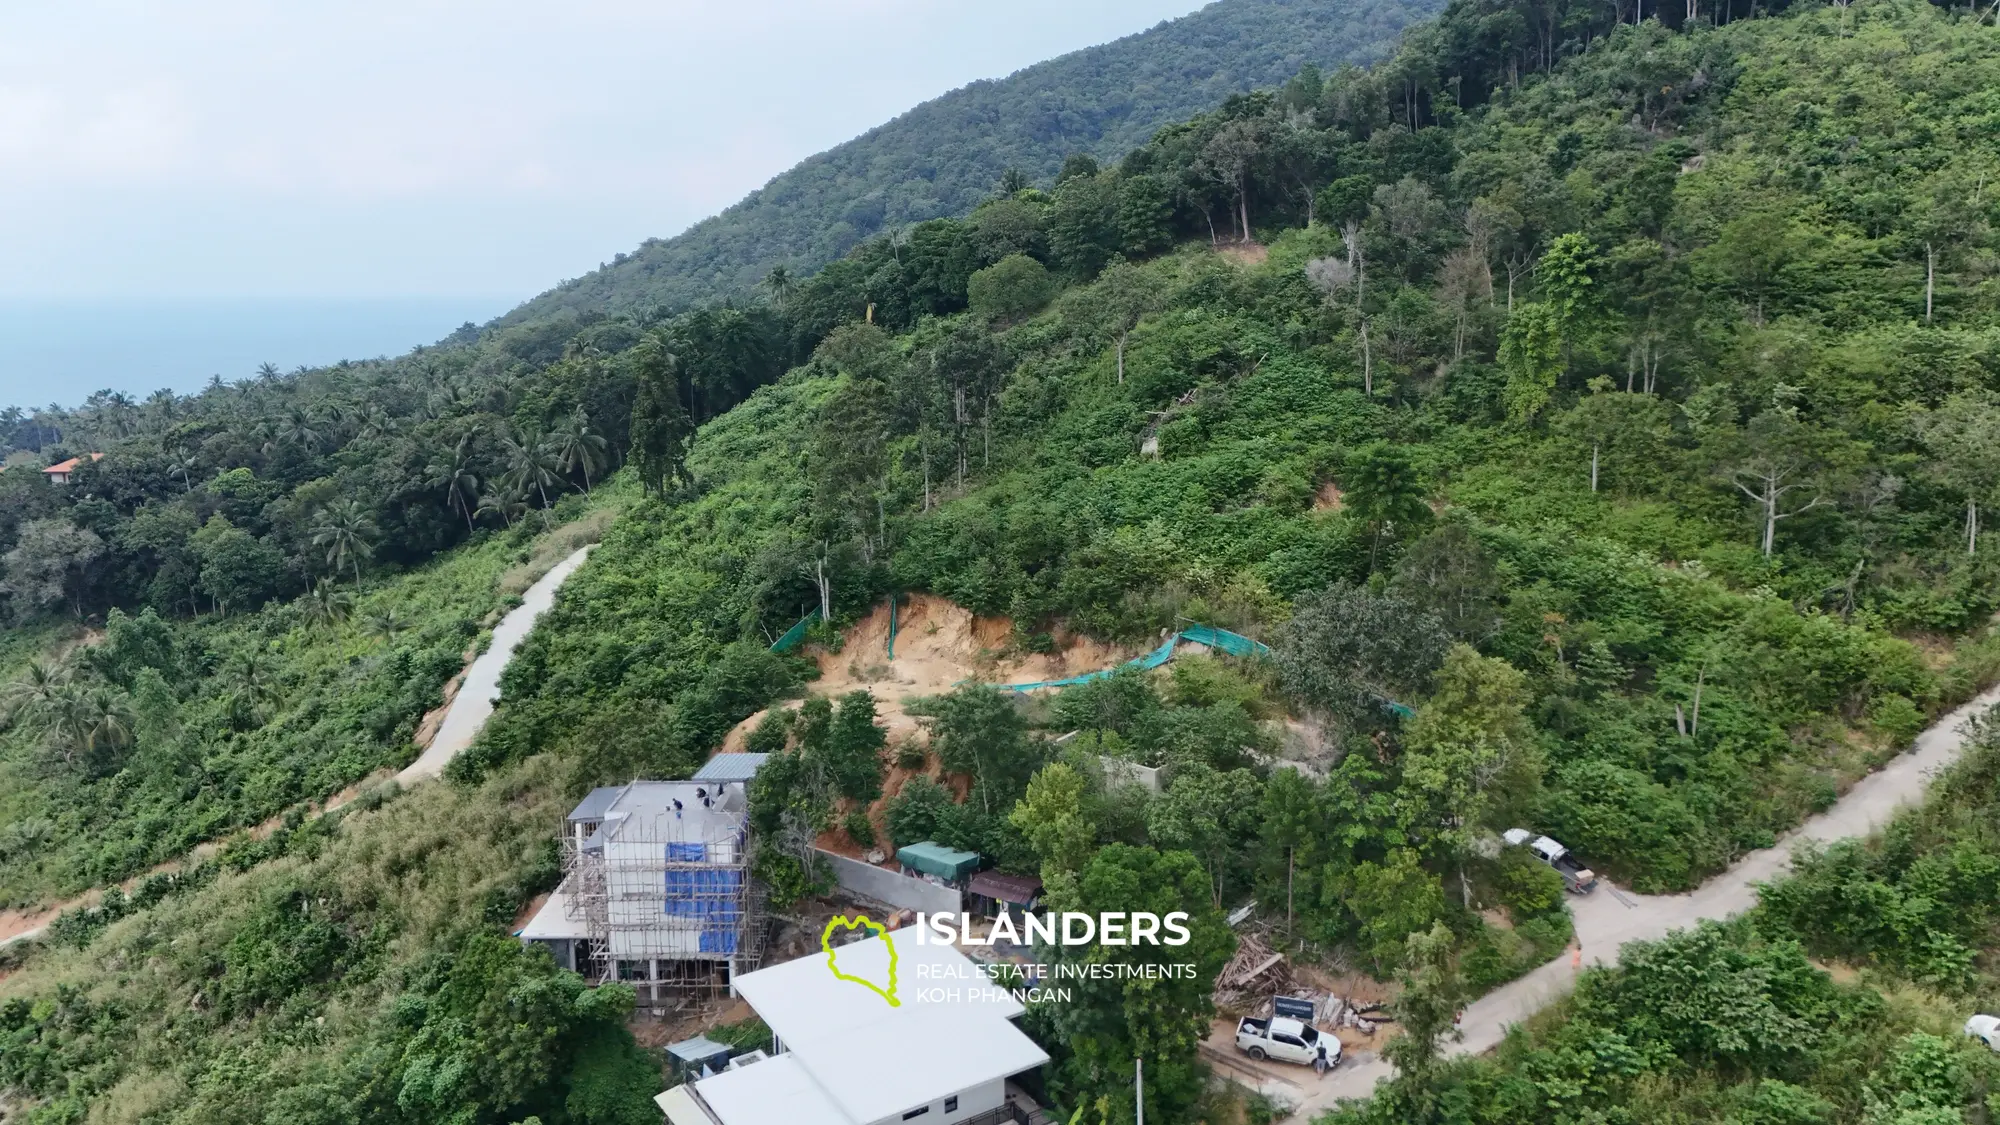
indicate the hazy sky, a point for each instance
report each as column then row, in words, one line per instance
column 386, row 148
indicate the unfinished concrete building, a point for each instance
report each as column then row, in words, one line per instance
column 656, row 888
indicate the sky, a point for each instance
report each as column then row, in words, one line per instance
column 442, row 150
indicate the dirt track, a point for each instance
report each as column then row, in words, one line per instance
column 1608, row 919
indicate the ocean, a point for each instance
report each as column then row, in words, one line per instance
column 60, row 351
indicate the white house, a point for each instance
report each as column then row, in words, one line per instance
column 942, row 1055
column 657, row 889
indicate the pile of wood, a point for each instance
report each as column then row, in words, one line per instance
column 1258, row 973
column 1254, row 974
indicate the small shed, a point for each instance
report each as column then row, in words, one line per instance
column 730, row 767
column 935, row 861
column 994, row 894
column 697, row 1057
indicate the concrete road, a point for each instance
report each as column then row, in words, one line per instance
column 1608, row 918
column 474, row 703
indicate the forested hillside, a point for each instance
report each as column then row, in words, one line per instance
column 942, row 158
column 1597, row 410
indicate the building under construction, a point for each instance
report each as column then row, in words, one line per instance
column 656, row 888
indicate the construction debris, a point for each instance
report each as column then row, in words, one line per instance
column 1257, row 977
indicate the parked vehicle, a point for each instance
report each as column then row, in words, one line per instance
column 1579, row 879
column 1287, row 1040
column 1986, row 1029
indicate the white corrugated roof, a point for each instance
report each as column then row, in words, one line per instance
column 875, row 1060
column 773, row 1092
column 681, row 1108
column 552, row 921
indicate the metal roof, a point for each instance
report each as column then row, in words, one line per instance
column 1018, row 889
column 730, row 767
column 596, row 804
column 699, row 1049
column 952, row 1030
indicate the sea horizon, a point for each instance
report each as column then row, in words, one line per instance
column 62, row 350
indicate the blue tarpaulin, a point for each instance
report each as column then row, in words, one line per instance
column 712, row 894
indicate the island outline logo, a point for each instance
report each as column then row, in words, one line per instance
column 857, row 922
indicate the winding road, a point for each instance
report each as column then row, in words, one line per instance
column 470, row 709
column 481, row 690
column 1608, row 919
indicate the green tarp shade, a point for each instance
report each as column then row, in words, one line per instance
column 936, row 859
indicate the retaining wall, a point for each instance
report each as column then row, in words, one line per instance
column 896, row 889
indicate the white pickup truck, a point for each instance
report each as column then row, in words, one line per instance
column 1287, row 1040
column 1986, row 1029
column 1580, row 880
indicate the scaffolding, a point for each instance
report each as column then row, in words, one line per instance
column 661, row 893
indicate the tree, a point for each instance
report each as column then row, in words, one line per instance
column 386, row 624
column 1345, row 201
column 51, row 562
column 976, row 731
column 459, row 480
column 849, row 462
column 1531, row 354
column 1010, row 290
column 661, row 428
column 1117, row 1017
column 1427, row 1011
column 531, row 463
column 1351, row 652
column 344, row 531
column 327, row 605
column 236, row 569
column 1145, row 215
column 1210, row 814
column 1469, row 754
column 1382, row 489
column 1053, row 818
column 1630, row 427
column 780, row 284
column 1449, row 574
column 1772, row 458
column 1126, row 294
column 1964, row 436
column 1288, row 820
column 577, row 446
column 1083, row 225
column 844, row 744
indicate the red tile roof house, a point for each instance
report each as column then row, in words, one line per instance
column 59, row 473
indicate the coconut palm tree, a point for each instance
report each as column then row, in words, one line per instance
column 182, row 462
column 252, row 678
column 36, row 692
column 530, row 466
column 296, row 427
column 578, row 447
column 457, row 478
column 328, row 605
column 107, row 722
column 503, row 501
column 386, row 624
column 343, row 530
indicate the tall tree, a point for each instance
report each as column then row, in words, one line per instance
column 1963, row 435
column 661, row 427
column 344, row 531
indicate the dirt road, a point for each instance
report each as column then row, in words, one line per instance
column 481, row 689
column 469, row 712
column 1609, row 918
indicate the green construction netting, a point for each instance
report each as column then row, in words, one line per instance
column 795, row 634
